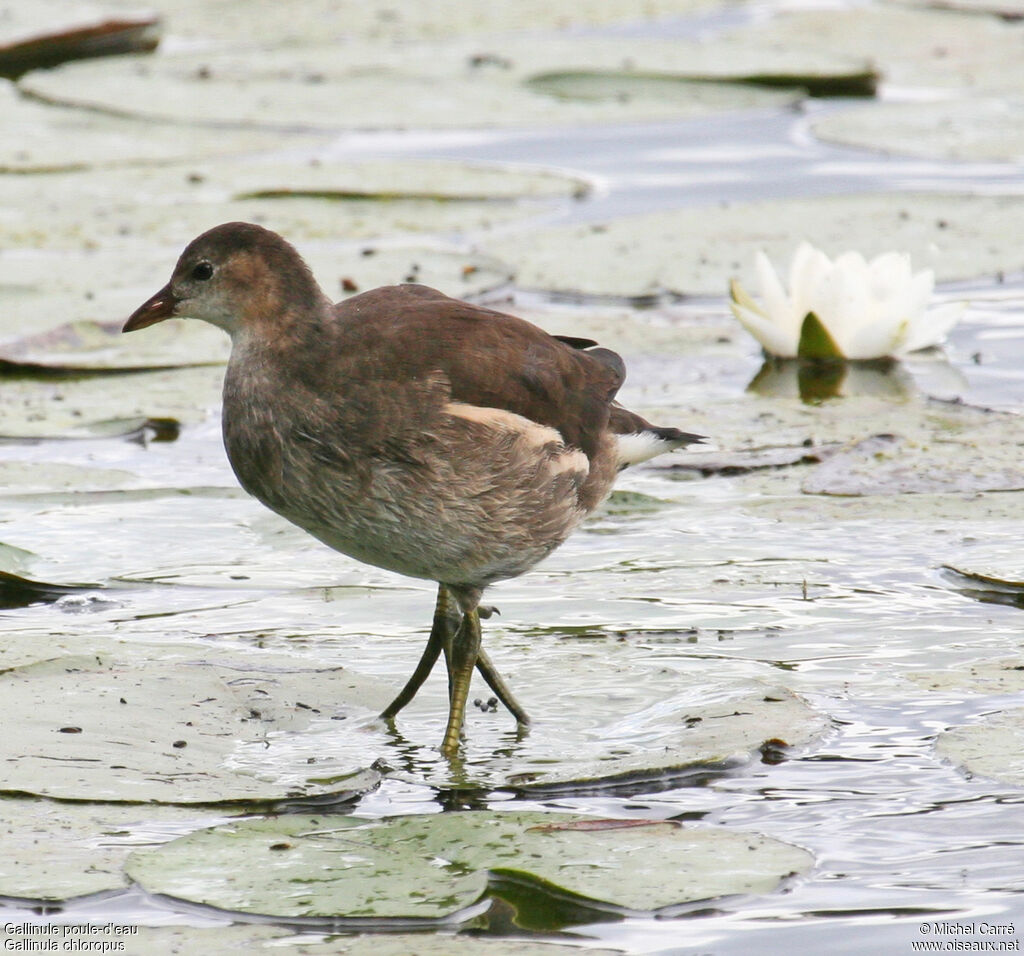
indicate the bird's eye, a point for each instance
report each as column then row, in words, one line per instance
column 202, row 271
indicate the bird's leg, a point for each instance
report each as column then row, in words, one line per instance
column 446, row 621
column 495, row 681
column 461, row 655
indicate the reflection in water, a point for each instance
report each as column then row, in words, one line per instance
column 815, row 381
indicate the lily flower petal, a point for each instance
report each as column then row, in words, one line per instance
column 774, row 339
column 864, row 309
column 932, row 327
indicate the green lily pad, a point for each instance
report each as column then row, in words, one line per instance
column 992, row 748
column 61, row 850
column 959, row 236
column 433, row 866
column 166, row 731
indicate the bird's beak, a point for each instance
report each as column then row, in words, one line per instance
column 155, row 309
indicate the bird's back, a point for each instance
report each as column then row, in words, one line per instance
column 425, row 435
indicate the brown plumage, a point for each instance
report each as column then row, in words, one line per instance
column 410, row 430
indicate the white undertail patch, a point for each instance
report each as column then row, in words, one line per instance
column 642, row 446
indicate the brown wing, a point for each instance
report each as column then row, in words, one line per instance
column 409, row 333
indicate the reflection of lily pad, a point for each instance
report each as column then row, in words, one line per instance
column 58, row 850
column 992, row 748
column 958, row 236
column 433, row 866
column 166, row 731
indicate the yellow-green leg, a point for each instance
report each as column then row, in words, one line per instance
column 445, row 630
column 446, row 621
column 500, row 688
column 461, row 657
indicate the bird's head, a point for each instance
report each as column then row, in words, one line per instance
column 237, row 276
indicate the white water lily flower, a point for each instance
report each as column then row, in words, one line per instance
column 849, row 308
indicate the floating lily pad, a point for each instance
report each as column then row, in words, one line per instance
column 443, row 84
column 165, row 731
column 98, row 406
column 433, row 866
column 992, row 748
column 1000, row 676
column 60, row 850
column 299, row 218
column 917, row 48
column 755, row 459
column 958, row 236
column 975, row 129
column 887, row 464
column 728, row 724
column 37, row 136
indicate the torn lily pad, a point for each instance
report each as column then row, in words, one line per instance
column 992, row 748
column 434, row 866
column 848, row 308
column 166, row 731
